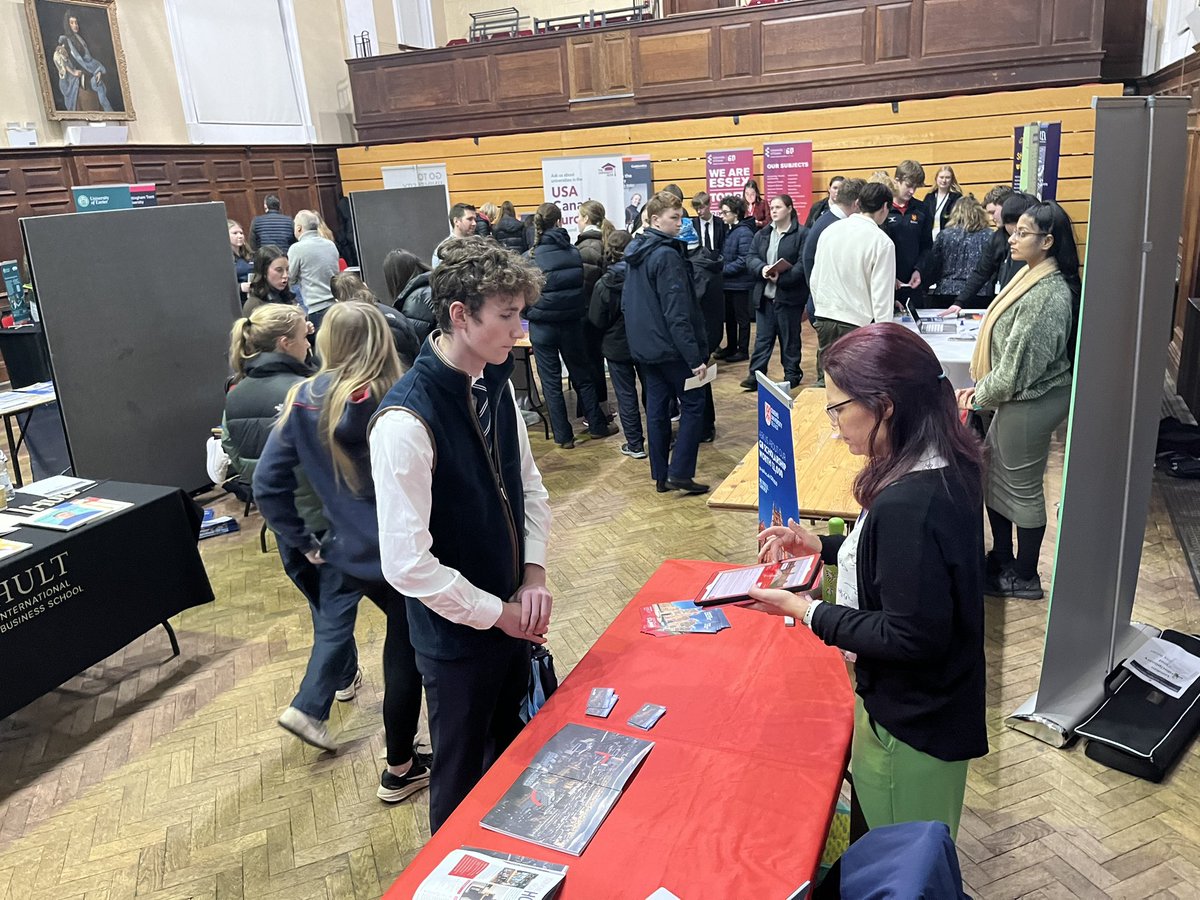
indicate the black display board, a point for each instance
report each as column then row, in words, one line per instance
column 137, row 306
column 414, row 219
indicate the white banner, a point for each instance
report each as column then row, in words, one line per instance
column 569, row 182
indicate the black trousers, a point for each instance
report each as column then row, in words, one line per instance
column 474, row 714
column 737, row 321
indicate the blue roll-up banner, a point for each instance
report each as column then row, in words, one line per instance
column 777, row 501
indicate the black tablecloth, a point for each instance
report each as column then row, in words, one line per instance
column 25, row 355
column 77, row 597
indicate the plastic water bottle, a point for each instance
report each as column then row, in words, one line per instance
column 829, row 573
column 6, row 485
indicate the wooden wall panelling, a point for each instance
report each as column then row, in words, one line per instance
column 1124, row 38
column 1182, row 79
column 102, row 169
column 766, row 58
column 974, row 134
column 38, row 181
column 803, row 43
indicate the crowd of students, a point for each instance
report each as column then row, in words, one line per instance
column 363, row 429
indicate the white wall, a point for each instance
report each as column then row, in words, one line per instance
column 154, row 87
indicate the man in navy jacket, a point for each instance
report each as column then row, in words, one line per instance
column 666, row 335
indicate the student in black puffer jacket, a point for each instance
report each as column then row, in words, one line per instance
column 593, row 229
column 408, row 285
column 710, row 293
column 738, row 280
column 606, row 315
column 268, row 352
column 556, row 327
column 509, row 231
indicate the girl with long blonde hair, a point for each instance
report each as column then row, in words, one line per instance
column 323, row 433
column 941, row 200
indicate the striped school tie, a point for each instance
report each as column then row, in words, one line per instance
column 483, row 410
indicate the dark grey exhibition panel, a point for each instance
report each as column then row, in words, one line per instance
column 1128, row 298
column 413, row 219
column 137, row 305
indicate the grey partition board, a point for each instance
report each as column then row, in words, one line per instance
column 1128, row 298
column 413, row 219
column 137, row 306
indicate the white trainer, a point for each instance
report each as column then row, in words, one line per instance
column 308, row 729
column 350, row 691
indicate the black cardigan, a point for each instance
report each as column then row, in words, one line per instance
column 918, row 631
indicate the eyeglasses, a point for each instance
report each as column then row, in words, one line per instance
column 832, row 410
column 1020, row 234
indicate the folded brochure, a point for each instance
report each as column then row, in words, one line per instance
column 682, row 617
column 601, row 702
column 569, row 788
column 469, row 872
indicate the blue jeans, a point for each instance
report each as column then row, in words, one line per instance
column 549, row 339
column 782, row 321
column 333, row 661
column 664, row 382
column 624, row 382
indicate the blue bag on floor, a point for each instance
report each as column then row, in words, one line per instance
column 542, row 682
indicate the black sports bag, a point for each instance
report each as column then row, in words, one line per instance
column 1140, row 729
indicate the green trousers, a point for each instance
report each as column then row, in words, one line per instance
column 828, row 331
column 895, row 783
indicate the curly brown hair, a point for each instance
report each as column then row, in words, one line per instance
column 473, row 269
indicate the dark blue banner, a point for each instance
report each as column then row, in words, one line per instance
column 776, row 457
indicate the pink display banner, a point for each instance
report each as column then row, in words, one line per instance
column 787, row 169
column 726, row 172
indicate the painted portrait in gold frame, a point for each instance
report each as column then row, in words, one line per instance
column 81, row 67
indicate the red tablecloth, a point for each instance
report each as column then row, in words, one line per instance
column 737, row 794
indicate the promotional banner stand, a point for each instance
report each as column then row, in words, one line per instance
column 1120, row 359
column 777, row 497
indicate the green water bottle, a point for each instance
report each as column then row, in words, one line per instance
column 829, row 575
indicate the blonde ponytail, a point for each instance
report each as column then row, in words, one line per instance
column 260, row 333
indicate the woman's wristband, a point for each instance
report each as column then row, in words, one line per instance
column 808, row 613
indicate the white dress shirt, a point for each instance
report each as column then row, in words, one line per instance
column 402, row 460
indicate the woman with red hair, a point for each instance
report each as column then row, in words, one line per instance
column 910, row 577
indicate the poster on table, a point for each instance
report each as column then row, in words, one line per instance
column 726, row 173
column 571, row 181
column 787, row 169
column 777, row 501
column 638, row 179
column 1036, row 148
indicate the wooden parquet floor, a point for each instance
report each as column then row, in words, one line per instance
column 155, row 778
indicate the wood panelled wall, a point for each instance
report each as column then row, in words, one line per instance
column 780, row 56
column 974, row 134
column 38, row 182
column 1182, row 79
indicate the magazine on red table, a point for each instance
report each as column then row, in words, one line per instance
column 574, row 781
column 469, row 873
column 799, row 573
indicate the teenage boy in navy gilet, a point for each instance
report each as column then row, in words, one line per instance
column 463, row 516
